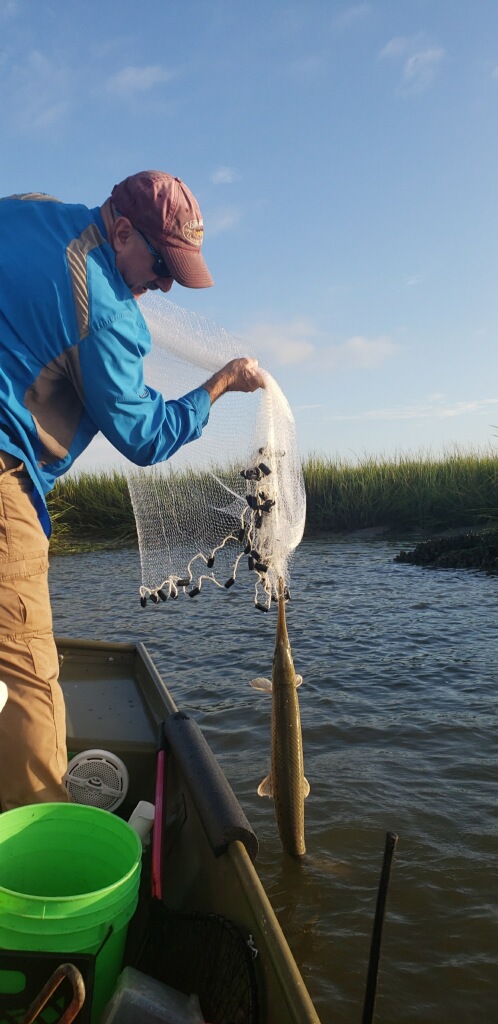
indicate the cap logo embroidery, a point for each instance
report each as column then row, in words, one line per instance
column 193, row 231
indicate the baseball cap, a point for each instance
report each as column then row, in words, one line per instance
column 166, row 212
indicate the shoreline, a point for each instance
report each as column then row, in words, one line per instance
column 474, row 549
column 429, row 500
column 465, row 548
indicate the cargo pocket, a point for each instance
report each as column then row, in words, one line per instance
column 46, row 666
column 25, row 608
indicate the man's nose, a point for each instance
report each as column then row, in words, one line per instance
column 164, row 283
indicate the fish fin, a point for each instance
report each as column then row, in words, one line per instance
column 299, row 680
column 265, row 788
column 306, row 787
column 260, row 683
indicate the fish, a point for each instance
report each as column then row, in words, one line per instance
column 286, row 782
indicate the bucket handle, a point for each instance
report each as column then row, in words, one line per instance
column 62, row 972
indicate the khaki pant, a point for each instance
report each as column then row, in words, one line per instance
column 32, row 724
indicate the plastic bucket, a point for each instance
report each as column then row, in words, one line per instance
column 69, row 878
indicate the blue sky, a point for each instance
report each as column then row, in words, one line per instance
column 345, row 157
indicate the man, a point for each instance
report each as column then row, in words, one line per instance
column 72, row 342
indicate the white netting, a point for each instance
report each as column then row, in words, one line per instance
column 200, row 521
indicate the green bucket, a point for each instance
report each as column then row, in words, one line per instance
column 69, row 878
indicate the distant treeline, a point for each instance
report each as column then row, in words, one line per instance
column 412, row 493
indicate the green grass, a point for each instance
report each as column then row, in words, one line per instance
column 457, row 490
column 91, row 510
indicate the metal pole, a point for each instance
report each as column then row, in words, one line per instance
column 373, row 963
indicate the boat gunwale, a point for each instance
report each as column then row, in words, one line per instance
column 238, row 858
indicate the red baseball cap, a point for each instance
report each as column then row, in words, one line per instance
column 166, row 212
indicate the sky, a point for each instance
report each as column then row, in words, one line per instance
column 345, row 158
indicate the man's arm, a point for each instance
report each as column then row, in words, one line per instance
column 238, row 375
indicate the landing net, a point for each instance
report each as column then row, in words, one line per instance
column 230, row 502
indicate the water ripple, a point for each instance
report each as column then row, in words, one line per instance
column 399, row 718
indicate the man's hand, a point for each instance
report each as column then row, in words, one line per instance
column 238, row 375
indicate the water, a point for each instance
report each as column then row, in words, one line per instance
column 398, row 711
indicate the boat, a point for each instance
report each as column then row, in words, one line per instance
column 212, row 902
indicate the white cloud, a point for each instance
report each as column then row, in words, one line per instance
column 224, row 175
column 358, row 353
column 396, row 47
column 132, row 80
column 308, row 408
column 464, row 408
column 433, row 408
column 300, row 342
column 221, row 219
column 288, row 344
column 420, row 59
column 413, row 281
column 421, row 68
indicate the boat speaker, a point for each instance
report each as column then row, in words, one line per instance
column 97, row 778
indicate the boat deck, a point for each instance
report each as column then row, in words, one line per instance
column 116, row 700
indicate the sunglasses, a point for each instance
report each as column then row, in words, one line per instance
column 159, row 266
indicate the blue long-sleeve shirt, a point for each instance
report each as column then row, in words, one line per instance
column 72, row 343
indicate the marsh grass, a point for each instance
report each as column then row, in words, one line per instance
column 91, row 510
column 94, row 510
column 432, row 493
column 459, row 489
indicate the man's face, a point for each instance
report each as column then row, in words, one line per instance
column 135, row 261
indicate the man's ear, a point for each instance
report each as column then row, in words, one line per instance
column 122, row 231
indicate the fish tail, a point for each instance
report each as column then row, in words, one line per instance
column 265, row 787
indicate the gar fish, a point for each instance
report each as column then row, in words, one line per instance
column 286, row 782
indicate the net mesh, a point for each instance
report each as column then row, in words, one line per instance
column 206, row 954
column 232, row 499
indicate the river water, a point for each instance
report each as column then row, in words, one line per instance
column 398, row 709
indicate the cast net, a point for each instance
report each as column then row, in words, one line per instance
column 232, row 501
